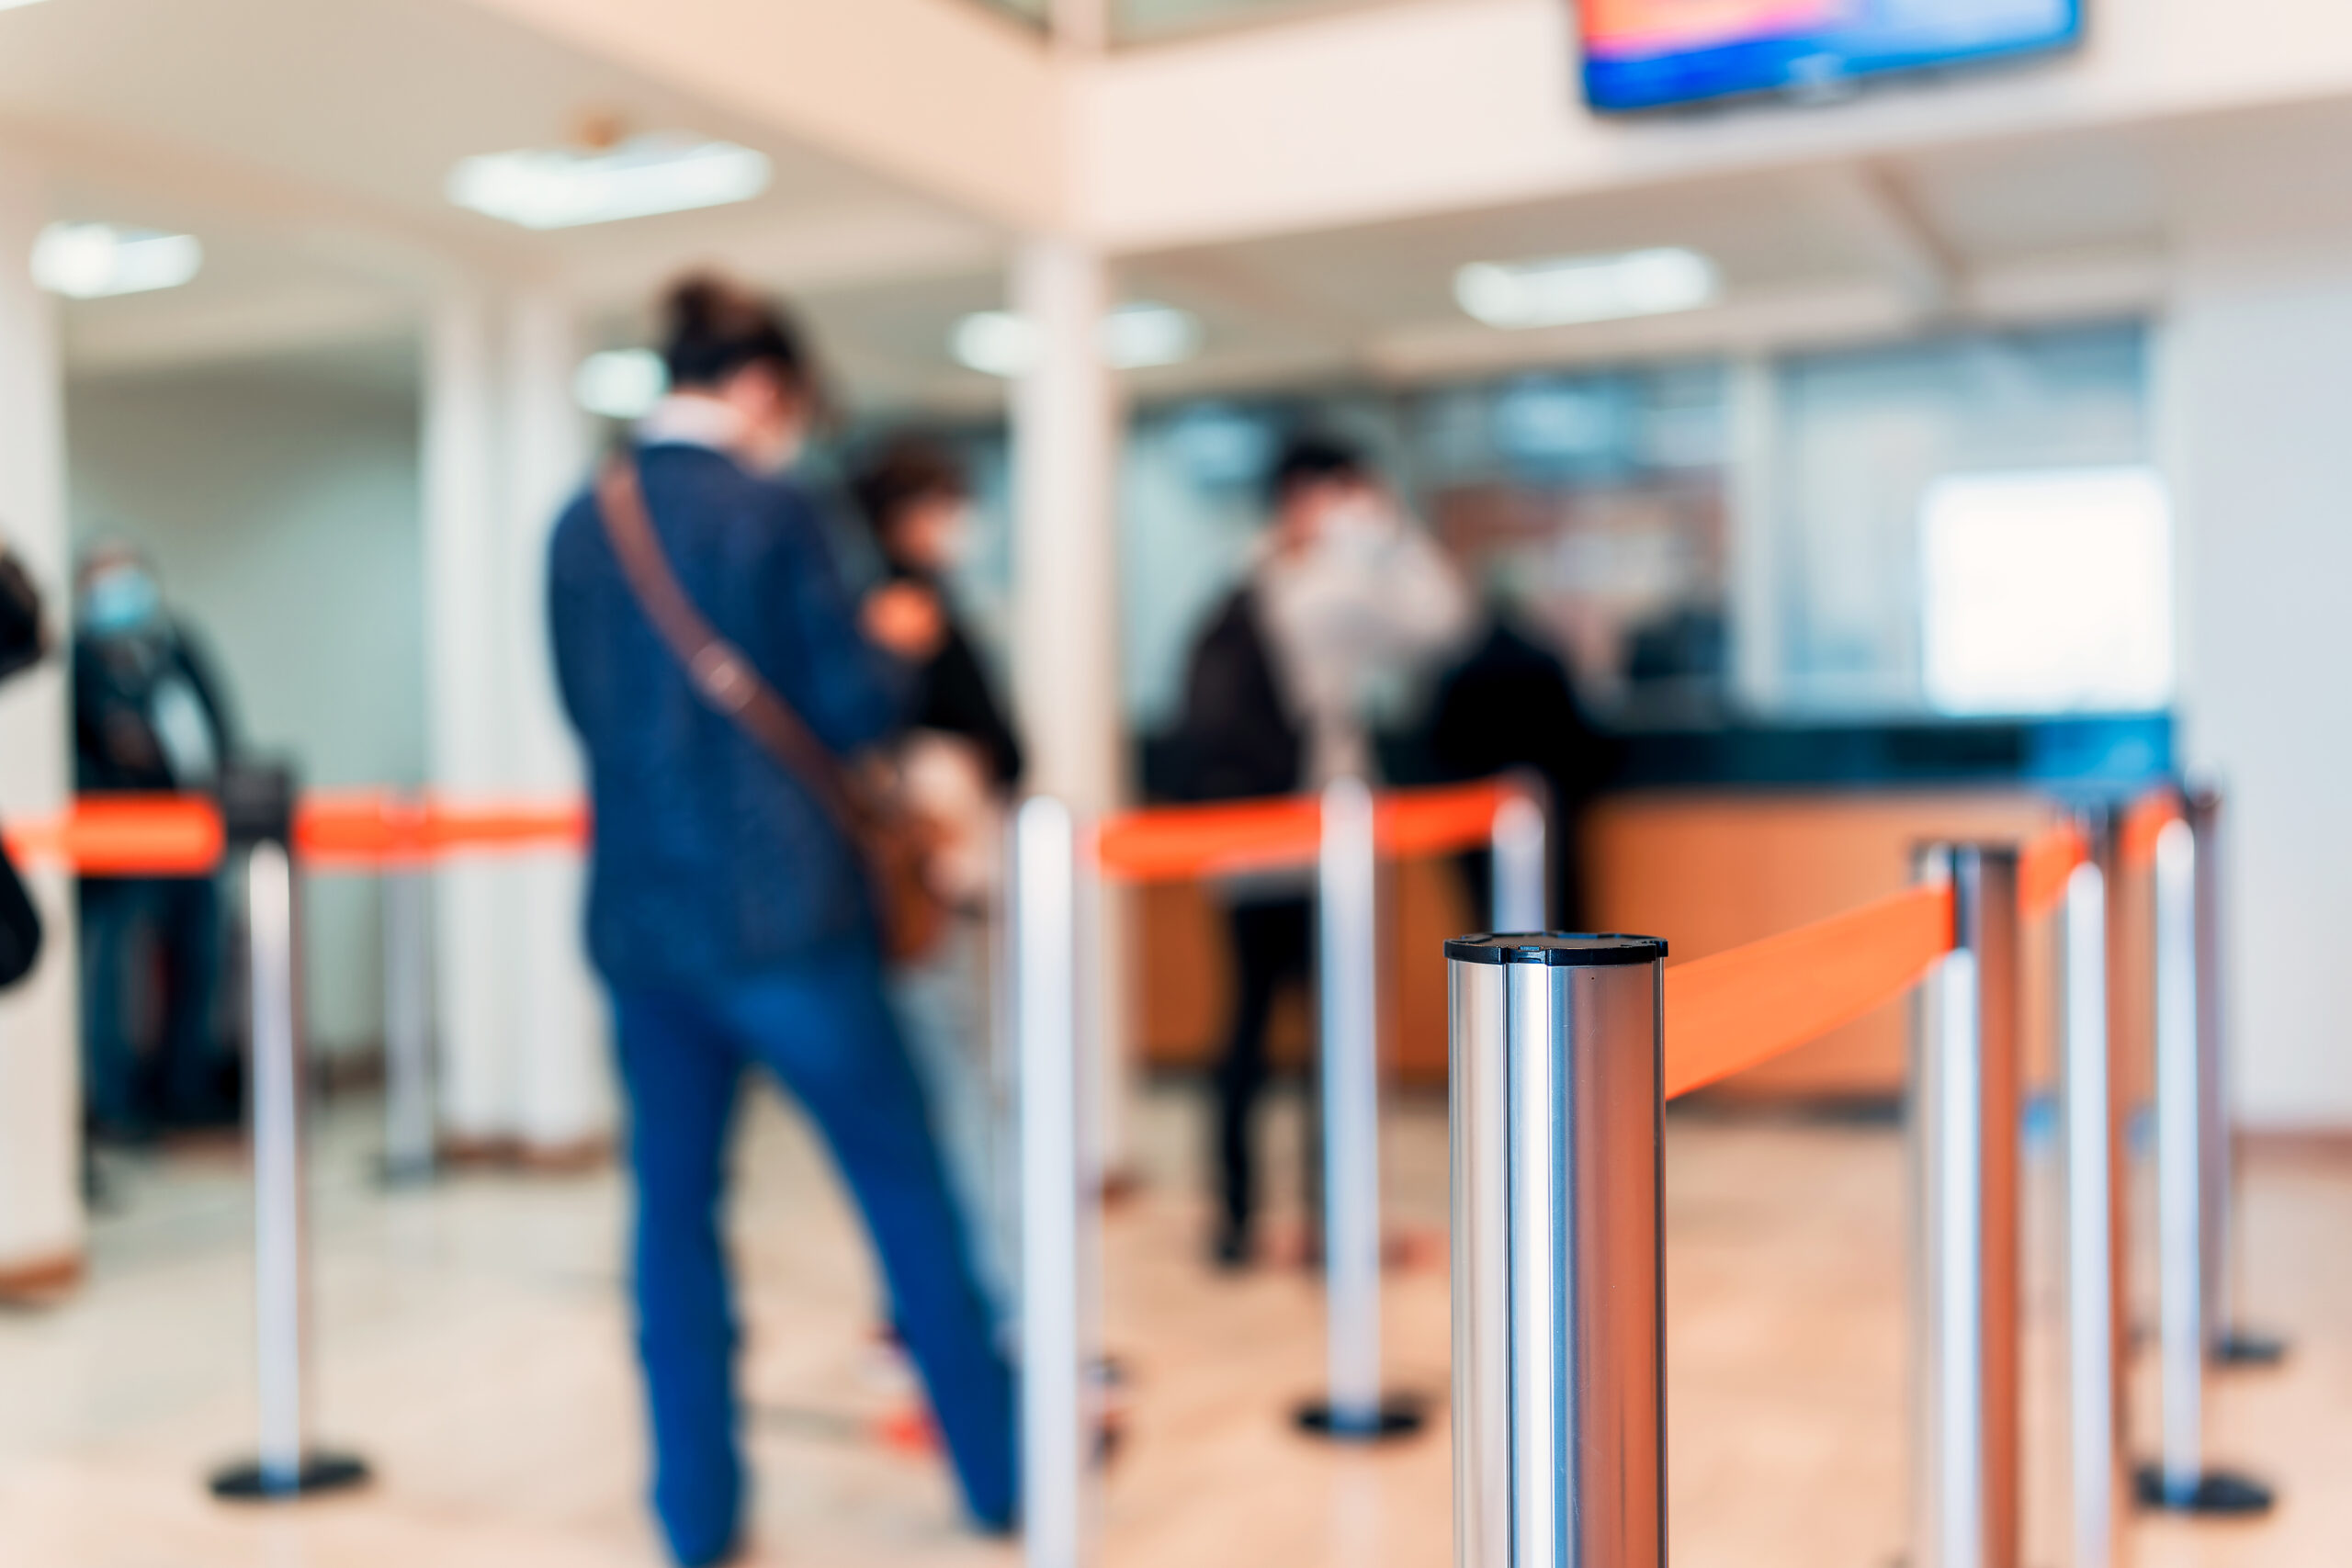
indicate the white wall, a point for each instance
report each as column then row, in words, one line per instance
column 279, row 503
column 2257, row 377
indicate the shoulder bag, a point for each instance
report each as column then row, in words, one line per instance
column 888, row 844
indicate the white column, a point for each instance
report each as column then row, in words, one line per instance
column 40, row 1210
column 563, row 1096
column 1066, row 648
column 2254, row 375
column 466, row 652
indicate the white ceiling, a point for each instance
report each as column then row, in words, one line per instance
column 307, row 144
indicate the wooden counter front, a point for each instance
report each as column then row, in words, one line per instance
column 1705, row 871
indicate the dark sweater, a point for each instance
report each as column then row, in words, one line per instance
column 710, row 862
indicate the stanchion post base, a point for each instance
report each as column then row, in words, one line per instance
column 2217, row 1493
column 321, row 1472
column 1401, row 1415
column 2247, row 1347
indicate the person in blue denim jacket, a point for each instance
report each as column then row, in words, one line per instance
column 730, row 917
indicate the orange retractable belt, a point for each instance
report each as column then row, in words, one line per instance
column 1172, row 843
column 125, row 835
column 175, row 835
column 2044, row 865
column 1733, row 1011
column 2135, row 842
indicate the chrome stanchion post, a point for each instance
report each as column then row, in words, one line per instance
column 2178, row 1480
column 1348, row 932
column 1966, row 1103
column 258, row 806
column 1519, row 869
column 2095, row 1410
column 2228, row 1341
column 1053, row 1400
column 1556, row 1128
column 411, row 1144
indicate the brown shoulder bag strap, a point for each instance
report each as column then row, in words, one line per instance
column 719, row 673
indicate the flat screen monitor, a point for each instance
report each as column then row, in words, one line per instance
column 1641, row 54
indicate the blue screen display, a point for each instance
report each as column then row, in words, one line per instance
column 1648, row 53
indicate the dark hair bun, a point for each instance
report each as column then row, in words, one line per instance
column 714, row 327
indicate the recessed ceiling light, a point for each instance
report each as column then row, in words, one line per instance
column 1564, row 290
column 620, row 383
column 87, row 261
column 1133, row 337
column 646, row 174
column 1138, row 336
column 995, row 343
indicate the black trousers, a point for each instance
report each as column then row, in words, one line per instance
column 1273, row 944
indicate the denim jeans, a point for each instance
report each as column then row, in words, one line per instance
column 823, row 1028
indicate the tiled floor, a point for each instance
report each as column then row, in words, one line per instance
column 473, row 1347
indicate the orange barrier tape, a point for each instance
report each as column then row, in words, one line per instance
column 1439, row 821
column 125, row 835
column 1732, row 1010
column 2044, row 865
column 2135, row 842
column 171, row 835
column 1170, row 843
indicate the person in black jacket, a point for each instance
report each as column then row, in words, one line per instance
column 149, row 717
column 1344, row 592
column 1511, row 705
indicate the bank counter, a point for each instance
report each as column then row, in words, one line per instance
column 1711, row 838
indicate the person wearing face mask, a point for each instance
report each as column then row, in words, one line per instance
column 958, row 763
column 728, row 912
column 1345, row 598
column 149, row 717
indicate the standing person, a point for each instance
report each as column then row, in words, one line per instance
column 1344, row 595
column 729, row 913
column 958, row 764
column 149, row 717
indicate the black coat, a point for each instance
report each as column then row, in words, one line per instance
column 114, row 745
column 1238, row 738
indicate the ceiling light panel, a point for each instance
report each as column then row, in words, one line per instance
column 641, row 177
column 90, row 261
column 1136, row 336
column 620, row 383
column 1565, row 290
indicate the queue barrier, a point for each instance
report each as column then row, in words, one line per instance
column 1715, row 1017
column 277, row 836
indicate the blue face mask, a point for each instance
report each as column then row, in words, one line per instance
column 120, row 603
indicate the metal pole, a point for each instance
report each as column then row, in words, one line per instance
column 1053, row 1413
column 1347, row 926
column 1965, row 1107
column 2099, row 1478
column 258, row 806
column 410, row 1139
column 2179, row 1479
column 2228, row 1341
column 1519, row 873
column 1556, row 1123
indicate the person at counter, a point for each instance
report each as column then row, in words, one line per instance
column 150, row 716
column 1345, row 595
